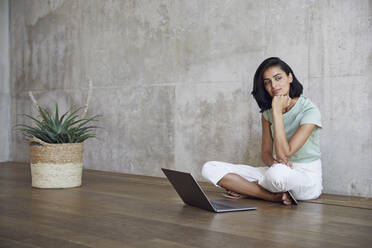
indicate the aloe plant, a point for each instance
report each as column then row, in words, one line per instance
column 55, row 129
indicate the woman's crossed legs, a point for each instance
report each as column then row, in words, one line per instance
column 268, row 183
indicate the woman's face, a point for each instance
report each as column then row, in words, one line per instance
column 276, row 81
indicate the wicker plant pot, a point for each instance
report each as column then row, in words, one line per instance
column 56, row 165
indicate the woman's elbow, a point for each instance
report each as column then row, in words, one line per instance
column 267, row 157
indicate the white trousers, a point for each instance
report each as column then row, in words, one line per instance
column 304, row 180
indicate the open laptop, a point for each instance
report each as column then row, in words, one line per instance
column 192, row 194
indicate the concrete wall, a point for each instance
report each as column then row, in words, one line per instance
column 173, row 78
column 5, row 128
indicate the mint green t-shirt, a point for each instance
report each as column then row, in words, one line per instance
column 303, row 112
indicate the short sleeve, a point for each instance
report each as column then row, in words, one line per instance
column 312, row 116
column 265, row 115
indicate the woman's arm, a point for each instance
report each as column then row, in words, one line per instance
column 267, row 143
column 285, row 149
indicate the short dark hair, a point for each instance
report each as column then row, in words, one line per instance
column 259, row 92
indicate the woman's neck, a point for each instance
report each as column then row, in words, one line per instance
column 293, row 102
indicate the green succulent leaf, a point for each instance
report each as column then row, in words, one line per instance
column 53, row 128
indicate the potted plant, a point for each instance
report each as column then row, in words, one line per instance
column 56, row 145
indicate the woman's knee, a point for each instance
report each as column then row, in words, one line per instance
column 208, row 169
column 277, row 176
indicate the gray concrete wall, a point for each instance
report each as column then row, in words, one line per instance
column 173, row 78
column 5, row 128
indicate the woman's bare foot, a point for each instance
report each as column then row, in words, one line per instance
column 232, row 194
column 286, row 199
column 281, row 197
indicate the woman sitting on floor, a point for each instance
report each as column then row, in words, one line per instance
column 290, row 143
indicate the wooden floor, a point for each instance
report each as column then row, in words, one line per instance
column 119, row 210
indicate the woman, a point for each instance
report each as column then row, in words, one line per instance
column 290, row 143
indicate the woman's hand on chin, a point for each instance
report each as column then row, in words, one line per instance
column 281, row 102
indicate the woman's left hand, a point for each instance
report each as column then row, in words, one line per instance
column 281, row 102
column 286, row 162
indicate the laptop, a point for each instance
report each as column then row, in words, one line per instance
column 192, row 194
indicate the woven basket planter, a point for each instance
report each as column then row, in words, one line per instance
column 56, row 165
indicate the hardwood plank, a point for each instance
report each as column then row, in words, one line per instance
column 8, row 243
column 346, row 201
column 158, row 243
